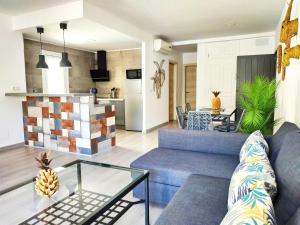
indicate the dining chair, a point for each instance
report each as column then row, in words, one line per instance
column 181, row 117
column 233, row 126
column 188, row 107
column 199, row 121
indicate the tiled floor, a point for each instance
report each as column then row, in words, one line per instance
column 17, row 165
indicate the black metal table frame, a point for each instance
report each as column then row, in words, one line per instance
column 119, row 196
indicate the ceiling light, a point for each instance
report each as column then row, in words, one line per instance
column 42, row 62
column 64, row 55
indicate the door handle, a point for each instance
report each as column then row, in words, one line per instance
column 187, row 92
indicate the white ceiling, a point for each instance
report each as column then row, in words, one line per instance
column 194, row 19
column 16, row 7
column 174, row 20
column 84, row 34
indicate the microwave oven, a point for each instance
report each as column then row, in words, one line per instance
column 134, row 74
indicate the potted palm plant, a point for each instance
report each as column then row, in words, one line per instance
column 259, row 100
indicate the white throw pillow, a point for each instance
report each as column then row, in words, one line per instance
column 253, row 145
column 249, row 175
column 255, row 208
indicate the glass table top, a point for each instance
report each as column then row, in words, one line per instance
column 213, row 111
column 84, row 188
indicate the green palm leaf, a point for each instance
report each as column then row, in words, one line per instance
column 259, row 101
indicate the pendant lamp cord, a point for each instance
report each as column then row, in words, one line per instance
column 41, row 43
column 64, row 40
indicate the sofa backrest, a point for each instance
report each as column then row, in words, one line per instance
column 201, row 141
column 275, row 141
column 295, row 220
column 287, row 170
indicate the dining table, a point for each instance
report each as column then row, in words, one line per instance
column 218, row 115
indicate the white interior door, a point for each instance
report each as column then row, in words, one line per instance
column 221, row 72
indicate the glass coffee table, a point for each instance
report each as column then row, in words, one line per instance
column 89, row 193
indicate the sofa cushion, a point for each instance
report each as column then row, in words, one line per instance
column 158, row 193
column 201, row 200
column 255, row 208
column 276, row 140
column 254, row 144
column 169, row 166
column 287, row 170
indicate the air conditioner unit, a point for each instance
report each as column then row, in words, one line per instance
column 162, row 46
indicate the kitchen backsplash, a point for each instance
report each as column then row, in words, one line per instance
column 79, row 75
column 117, row 64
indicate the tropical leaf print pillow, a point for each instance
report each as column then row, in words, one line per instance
column 254, row 144
column 255, row 208
column 249, row 175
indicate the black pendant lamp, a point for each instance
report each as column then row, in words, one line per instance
column 42, row 62
column 64, row 55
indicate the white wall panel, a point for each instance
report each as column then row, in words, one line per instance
column 12, row 79
column 217, row 63
column 288, row 94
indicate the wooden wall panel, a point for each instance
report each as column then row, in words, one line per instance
column 171, row 91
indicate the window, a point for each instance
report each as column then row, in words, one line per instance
column 55, row 78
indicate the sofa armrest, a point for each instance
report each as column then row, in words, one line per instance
column 201, row 141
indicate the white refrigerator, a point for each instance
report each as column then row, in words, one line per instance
column 133, row 105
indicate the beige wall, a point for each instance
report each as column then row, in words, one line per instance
column 79, row 74
column 117, row 64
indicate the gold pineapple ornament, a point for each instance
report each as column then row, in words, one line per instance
column 216, row 101
column 47, row 182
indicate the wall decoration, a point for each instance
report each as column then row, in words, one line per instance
column 158, row 78
column 289, row 53
column 289, row 29
column 279, row 58
column 47, row 183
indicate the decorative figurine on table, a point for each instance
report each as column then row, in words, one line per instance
column 47, row 182
column 216, row 101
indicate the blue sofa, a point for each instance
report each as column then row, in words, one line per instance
column 191, row 171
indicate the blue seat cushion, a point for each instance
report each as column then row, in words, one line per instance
column 158, row 193
column 201, row 200
column 169, row 166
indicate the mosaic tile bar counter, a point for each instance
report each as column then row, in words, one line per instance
column 69, row 124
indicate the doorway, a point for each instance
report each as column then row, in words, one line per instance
column 172, row 90
column 190, row 85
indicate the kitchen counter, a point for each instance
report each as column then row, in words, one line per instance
column 47, row 95
column 119, row 104
column 68, row 122
column 109, row 99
